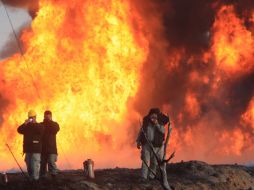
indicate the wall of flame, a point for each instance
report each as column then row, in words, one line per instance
column 99, row 66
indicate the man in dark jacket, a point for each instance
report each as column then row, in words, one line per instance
column 153, row 129
column 49, row 147
column 32, row 145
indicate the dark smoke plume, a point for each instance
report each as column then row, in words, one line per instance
column 183, row 29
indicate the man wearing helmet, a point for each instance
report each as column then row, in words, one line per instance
column 32, row 135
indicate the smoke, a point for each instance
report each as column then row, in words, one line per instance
column 188, row 24
column 11, row 46
column 178, row 79
column 31, row 6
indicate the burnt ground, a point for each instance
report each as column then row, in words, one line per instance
column 191, row 175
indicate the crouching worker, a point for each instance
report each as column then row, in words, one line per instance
column 49, row 147
column 153, row 130
column 32, row 132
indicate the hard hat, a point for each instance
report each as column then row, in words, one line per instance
column 31, row 113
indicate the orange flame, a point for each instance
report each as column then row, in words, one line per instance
column 192, row 105
column 232, row 43
column 205, row 135
column 248, row 116
column 82, row 61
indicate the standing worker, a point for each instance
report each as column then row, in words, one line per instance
column 49, row 147
column 153, row 129
column 32, row 146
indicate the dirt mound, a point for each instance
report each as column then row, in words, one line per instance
column 193, row 175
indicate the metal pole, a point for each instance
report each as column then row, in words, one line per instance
column 23, row 173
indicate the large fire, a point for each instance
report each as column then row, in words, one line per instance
column 99, row 65
column 209, row 123
column 82, row 61
column 233, row 49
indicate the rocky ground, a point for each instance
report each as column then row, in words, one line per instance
column 192, row 175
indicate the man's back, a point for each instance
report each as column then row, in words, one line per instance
column 32, row 137
column 49, row 137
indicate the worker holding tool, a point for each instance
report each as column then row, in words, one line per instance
column 151, row 141
column 32, row 145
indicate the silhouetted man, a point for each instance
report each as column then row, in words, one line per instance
column 32, row 144
column 152, row 130
column 49, row 147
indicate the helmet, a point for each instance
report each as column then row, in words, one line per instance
column 31, row 113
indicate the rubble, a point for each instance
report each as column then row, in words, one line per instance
column 193, row 175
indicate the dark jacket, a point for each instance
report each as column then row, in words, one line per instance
column 32, row 141
column 49, row 137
